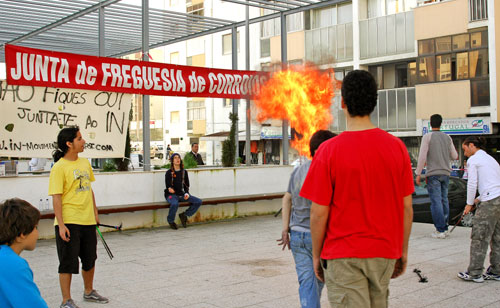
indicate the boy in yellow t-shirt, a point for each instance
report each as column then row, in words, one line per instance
column 76, row 215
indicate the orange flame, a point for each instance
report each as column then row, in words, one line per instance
column 301, row 95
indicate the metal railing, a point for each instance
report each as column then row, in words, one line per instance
column 387, row 35
column 329, row 44
column 478, row 10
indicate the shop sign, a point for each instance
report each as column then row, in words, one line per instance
column 464, row 126
column 272, row 132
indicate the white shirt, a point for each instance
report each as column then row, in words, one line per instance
column 484, row 175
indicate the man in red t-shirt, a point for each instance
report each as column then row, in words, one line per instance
column 360, row 184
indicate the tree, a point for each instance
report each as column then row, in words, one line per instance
column 229, row 145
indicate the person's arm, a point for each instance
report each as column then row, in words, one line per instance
column 57, row 204
column 186, row 185
column 168, row 182
column 422, row 156
column 96, row 212
column 471, row 186
column 453, row 151
column 286, row 206
column 401, row 263
column 319, row 219
column 20, row 288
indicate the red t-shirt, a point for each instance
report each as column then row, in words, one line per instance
column 363, row 177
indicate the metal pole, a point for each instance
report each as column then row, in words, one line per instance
column 145, row 98
column 284, row 66
column 234, row 50
column 248, row 155
column 102, row 41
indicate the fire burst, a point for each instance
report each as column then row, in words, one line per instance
column 301, row 95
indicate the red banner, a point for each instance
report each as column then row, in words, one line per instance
column 42, row 68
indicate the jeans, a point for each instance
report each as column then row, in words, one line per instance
column 309, row 286
column 437, row 185
column 173, row 200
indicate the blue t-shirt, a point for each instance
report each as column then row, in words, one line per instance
column 17, row 288
column 301, row 207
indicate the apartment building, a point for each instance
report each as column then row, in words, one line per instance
column 427, row 57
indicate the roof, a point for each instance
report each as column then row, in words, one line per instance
column 74, row 26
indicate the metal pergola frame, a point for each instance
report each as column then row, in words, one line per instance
column 112, row 29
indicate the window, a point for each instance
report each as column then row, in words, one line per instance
column 265, row 48
column 443, row 44
column 295, row 22
column 426, row 69
column 412, row 74
column 195, row 111
column 461, row 42
column 458, row 57
column 174, row 117
column 174, row 141
column 344, row 13
column 227, row 102
column 174, row 58
column 195, row 9
column 425, row 47
column 480, row 92
column 443, row 68
column 189, row 61
column 226, row 43
column 478, row 63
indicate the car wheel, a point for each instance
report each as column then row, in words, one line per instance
column 467, row 220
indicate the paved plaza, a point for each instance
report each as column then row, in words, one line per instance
column 237, row 263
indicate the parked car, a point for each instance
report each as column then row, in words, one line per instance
column 457, row 196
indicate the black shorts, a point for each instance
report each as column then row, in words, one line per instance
column 82, row 243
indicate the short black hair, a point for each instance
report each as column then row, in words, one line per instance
column 16, row 217
column 359, row 91
column 192, row 144
column 318, row 138
column 436, row 120
column 478, row 142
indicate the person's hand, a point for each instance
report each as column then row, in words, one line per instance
column 64, row 233
column 417, row 180
column 318, row 270
column 476, row 201
column 171, row 190
column 186, row 196
column 284, row 240
column 467, row 209
column 400, row 267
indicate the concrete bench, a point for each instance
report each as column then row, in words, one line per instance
column 164, row 205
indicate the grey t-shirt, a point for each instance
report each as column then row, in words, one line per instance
column 436, row 150
column 300, row 216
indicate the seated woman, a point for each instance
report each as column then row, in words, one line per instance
column 177, row 190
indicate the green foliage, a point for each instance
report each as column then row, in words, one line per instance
column 109, row 166
column 229, row 145
column 156, row 167
column 189, row 162
column 167, row 166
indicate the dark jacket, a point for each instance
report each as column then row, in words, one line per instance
column 178, row 180
column 196, row 157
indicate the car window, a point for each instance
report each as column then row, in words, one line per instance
column 454, row 186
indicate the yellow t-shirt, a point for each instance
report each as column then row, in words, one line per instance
column 72, row 179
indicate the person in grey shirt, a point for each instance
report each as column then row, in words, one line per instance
column 437, row 150
column 296, row 221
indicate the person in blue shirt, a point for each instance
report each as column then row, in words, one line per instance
column 18, row 232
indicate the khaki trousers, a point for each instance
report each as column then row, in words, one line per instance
column 358, row 283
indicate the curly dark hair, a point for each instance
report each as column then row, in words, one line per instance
column 359, row 91
column 16, row 217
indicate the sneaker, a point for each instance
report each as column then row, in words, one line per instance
column 183, row 219
column 439, row 235
column 490, row 276
column 69, row 304
column 95, row 297
column 173, row 225
column 465, row 276
column 447, row 233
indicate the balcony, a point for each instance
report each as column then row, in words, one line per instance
column 478, row 10
column 396, row 111
column 331, row 44
column 387, row 35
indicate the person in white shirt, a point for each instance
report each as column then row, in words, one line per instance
column 484, row 176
